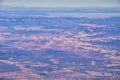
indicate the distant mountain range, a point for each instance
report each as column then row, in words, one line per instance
column 69, row 10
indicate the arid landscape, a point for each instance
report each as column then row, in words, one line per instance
column 52, row 46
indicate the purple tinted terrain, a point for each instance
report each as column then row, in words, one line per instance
column 36, row 45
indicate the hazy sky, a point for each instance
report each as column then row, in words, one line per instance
column 60, row 3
